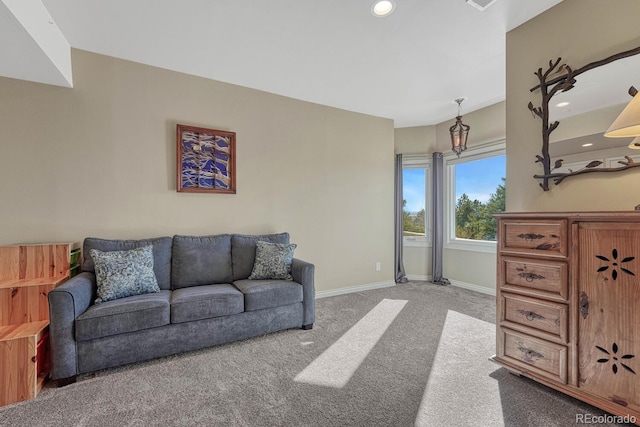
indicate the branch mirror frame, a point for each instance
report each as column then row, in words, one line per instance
column 562, row 78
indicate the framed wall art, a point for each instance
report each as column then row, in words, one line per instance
column 206, row 160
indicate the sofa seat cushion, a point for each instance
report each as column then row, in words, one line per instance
column 261, row 294
column 205, row 302
column 124, row 315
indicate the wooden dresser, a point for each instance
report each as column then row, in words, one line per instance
column 27, row 274
column 568, row 304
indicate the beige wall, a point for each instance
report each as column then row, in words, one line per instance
column 99, row 160
column 415, row 140
column 469, row 268
column 462, row 267
column 580, row 32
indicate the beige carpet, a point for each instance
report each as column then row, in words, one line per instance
column 465, row 388
column 460, row 390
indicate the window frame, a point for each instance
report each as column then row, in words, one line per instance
column 479, row 152
column 420, row 162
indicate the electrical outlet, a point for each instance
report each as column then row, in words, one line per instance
column 377, row 266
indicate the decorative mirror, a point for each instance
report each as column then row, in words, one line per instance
column 603, row 92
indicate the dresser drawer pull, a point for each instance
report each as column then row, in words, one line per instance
column 529, row 355
column 530, row 277
column 530, row 315
column 530, row 237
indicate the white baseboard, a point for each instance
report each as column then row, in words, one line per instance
column 473, row 287
column 458, row 283
column 390, row 283
column 419, row 277
column 351, row 289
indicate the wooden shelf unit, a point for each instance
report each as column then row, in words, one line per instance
column 27, row 273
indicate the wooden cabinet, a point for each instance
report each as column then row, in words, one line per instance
column 568, row 304
column 609, row 303
column 27, row 274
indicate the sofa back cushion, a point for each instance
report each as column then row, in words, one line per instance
column 161, row 254
column 201, row 260
column 243, row 251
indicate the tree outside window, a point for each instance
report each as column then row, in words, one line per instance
column 474, row 219
column 480, row 192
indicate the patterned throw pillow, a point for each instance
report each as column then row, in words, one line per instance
column 122, row 274
column 273, row 261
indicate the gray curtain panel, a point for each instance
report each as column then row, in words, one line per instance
column 401, row 275
column 438, row 223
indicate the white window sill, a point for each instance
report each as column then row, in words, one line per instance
column 472, row 245
column 418, row 243
column 414, row 244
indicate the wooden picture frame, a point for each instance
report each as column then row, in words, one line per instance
column 206, row 160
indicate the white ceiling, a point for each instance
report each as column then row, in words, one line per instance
column 31, row 47
column 407, row 67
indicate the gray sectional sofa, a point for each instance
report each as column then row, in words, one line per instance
column 205, row 299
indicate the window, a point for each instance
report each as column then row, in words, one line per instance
column 415, row 192
column 475, row 188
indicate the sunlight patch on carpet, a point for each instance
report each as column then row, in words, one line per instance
column 460, row 377
column 337, row 364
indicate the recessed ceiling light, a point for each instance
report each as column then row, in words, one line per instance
column 382, row 8
column 589, row 144
column 562, row 104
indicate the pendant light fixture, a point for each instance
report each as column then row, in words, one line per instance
column 459, row 131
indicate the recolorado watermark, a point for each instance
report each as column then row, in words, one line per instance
column 605, row 419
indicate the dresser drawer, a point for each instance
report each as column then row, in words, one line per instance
column 533, row 354
column 535, row 314
column 534, row 237
column 542, row 278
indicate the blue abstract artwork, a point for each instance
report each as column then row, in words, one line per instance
column 206, row 160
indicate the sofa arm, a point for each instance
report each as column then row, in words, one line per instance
column 66, row 303
column 302, row 273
